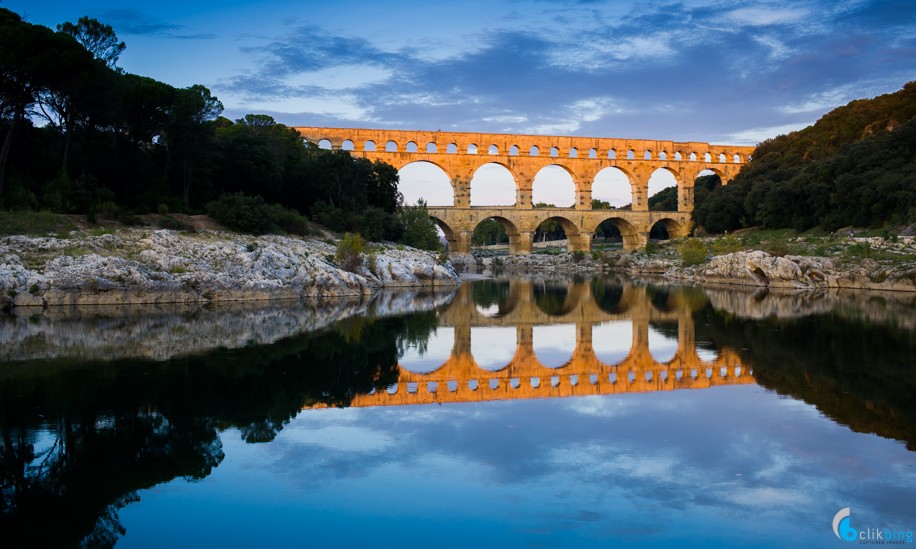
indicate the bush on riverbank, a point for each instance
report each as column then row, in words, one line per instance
column 349, row 254
column 250, row 214
column 692, row 252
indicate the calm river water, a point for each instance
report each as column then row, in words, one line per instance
column 506, row 413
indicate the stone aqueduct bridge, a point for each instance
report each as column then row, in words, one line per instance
column 461, row 379
column 460, row 155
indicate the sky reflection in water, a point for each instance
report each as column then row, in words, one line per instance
column 715, row 466
column 644, row 464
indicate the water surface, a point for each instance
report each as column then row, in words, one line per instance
column 515, row 413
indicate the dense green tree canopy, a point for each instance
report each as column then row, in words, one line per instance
column 140, row 145
column 856, row 166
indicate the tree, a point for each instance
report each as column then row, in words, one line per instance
column 188, row 132
column 98, row 38
column 24, row 53
column 419, row 228
column 382, row 187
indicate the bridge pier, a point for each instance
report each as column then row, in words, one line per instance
column 521, row 243
column 581, row 242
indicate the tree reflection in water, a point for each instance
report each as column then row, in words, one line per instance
column 79, row 440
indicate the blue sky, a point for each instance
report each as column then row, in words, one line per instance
column 695, row 70
column 730, row 71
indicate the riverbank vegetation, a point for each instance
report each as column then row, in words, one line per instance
column 855, row 167
column 78, row 135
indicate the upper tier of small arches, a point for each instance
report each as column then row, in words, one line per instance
column 527, row 145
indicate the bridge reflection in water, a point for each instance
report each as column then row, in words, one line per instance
column 531, row 309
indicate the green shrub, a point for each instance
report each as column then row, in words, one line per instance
column 652, row 247
column 247, row 214
column 578, row 256
column 289, row 221
column 777, row 248
column 349, row 254
column 692, row 251
column 108, row 210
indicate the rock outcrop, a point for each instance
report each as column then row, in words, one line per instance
column 136, row 266
column 757, row 268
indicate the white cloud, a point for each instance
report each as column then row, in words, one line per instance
column 778, row 50
column 340, row 77
column 756, row 135
column 759, row 16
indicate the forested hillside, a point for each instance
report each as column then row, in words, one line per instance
column 78, row 135
column 855, row 167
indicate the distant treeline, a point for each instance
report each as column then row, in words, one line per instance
column 855, row 167
column 79, row 135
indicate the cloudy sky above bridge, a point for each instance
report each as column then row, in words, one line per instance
column 720, row 71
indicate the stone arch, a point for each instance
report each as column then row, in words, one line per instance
column 493, row 150
column 614, row 185
column 632, row 240
column 427, row 180
column 515, row 239
column 489, row 349
column 411, row 147
column 663, row 155
column 647, row 155
column 347, row 145
column 631, row 154
column 570, row 230
column 662, row 341
column 554, row 345
column 612, row 341
column 513, row 150
column 554, row 298
column 678, row 156
column 672, row 227
column 612, row 154
column 722, row 158
column 716, row 171
column 554, row 152
column 609, row 296
column 573, row 152
column 554, row 184
column 432, row 355
column 391, row 146
column 707, row 157
column 451, row 148
column 693, row 157
column 494, row 298
column 324, row 144
column 661, row 179
column 592, row 153
column 534, row 151
column 432, row 147
column 369, row 146
column 472, row 148
column 451, row 237
column 493, row 184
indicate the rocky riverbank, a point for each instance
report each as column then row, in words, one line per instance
column 744, row 268
column 163, row 266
